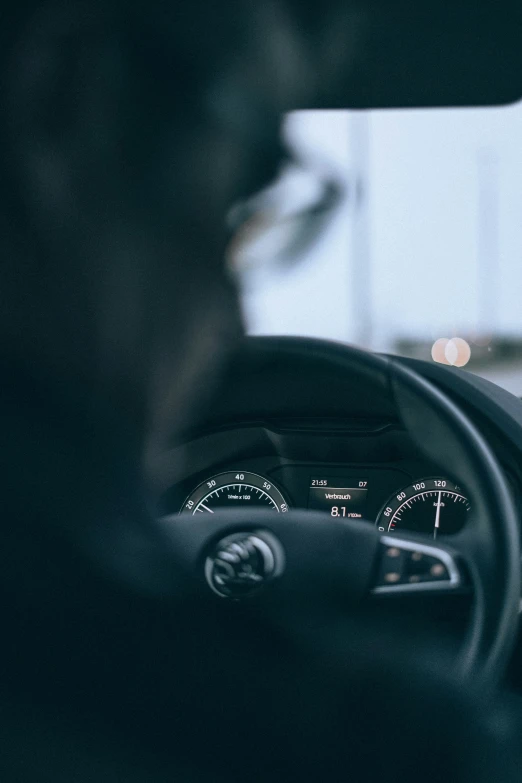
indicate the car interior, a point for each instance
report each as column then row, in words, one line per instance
column 307, row 561
column 290, row 428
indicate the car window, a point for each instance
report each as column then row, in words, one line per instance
column 420, row 253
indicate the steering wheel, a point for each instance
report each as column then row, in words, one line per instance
column 261, row 558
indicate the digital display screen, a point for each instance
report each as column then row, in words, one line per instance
column 340, row 497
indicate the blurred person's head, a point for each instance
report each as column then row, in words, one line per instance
column 127, row 133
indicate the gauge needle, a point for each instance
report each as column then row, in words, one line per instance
column 437, row 516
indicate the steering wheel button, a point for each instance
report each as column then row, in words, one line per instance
column 393, row 551
column 392, row 577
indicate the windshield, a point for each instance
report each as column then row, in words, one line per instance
column 421, row 252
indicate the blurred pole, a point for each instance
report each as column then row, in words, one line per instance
column 361, row 281
column 488, row 267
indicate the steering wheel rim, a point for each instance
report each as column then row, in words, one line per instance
column 447, row 436
column 489, row 545
column 490, row 542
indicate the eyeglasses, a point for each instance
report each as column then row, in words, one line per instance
column 278, row 226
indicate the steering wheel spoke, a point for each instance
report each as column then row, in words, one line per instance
column 410, row 565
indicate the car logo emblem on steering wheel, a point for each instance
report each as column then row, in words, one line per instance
column 242, row 563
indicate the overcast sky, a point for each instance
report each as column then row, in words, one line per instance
column 421, row 225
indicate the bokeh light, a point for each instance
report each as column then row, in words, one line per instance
column 438, row 351
column 455, row 351
column 463, row 351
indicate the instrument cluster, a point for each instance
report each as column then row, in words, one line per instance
column 430, row 505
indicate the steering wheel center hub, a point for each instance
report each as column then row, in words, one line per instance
column 243, row 563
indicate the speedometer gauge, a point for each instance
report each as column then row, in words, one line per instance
column 434, row 506
column 234, row 489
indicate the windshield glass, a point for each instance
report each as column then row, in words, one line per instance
column 416, row 240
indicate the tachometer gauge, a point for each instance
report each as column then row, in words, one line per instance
column 434, row 506
column 234, row 489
